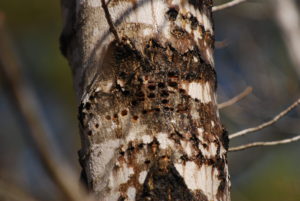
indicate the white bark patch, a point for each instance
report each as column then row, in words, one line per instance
column 147, row 32
column 204, row 178
column 91, row 3
column 131, row 192
column 142, row 176
column 210, row 56
column 110, row 197
column 164, row 141
column 152, row 13
column 143, row 14
column 188, row 147
column 96, row 32
column 147, row 139
column 122, row 175
column 136, row 132
column 212, row 123
column 104, row 86
column 198, row 91
column 200, row 131
column 101, row 155
column 187, row 7
column 207, row 23
column 189, row 173
column 120, row 82
column 195, row 59
column 210, row 152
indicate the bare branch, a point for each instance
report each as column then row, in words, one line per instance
column 235, row 99
column 288, row 19
column 257, row 144
column 27, row 106
column 268, row 123
column 227, row 5
column 109, row 20
column 222, row 44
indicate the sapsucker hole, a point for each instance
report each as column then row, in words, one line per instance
column 172, row 14
column 164, row 101
column 181, row 91
column 140, row 94
column 151, row 95
column 126, row 93
column 166, row 108
column 88, row 106
column 194, row 22
column 134, row 103
column 156, row 109
column 173, row 84
column 161, row 85
column 124, row 113
column 164, row 93
column 141, row 145
column 151, row 87
column 172, row 74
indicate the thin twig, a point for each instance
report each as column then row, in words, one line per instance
column 109, row 20
column 221, row 44
column 287, row 16
column 268, row 123
column 235, row 99
column 227, row 5
column 27, row 106
column 257, row 144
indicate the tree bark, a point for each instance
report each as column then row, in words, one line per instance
column 146, row 84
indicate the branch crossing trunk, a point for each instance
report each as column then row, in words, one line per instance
column 149, row 121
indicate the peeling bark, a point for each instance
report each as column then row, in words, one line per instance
column 150, row 128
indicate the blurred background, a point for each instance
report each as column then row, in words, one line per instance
column 251, row 51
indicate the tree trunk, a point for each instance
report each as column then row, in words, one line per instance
column 146, row 84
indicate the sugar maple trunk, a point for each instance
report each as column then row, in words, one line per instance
column 146, row 84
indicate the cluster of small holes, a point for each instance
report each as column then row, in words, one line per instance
column 157, row 95
column 172, row 15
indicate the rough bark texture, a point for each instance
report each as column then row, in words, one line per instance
column 150, row 128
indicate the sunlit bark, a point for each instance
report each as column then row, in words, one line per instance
column 150, row 128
